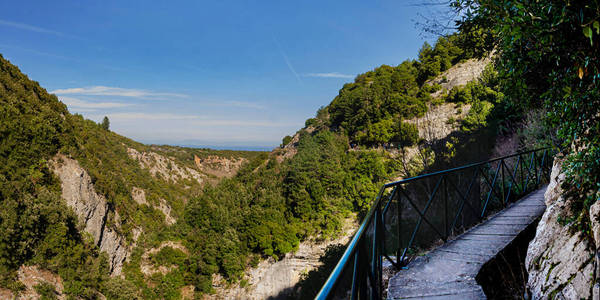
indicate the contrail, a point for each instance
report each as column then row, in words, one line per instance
column 287, row 60
column 28, row 27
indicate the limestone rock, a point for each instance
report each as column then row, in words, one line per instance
column 166, row 210
column 460, row 74
column 220, row 167
column 139, row 196
column 30, row 276
column 91, row 209
column 559, row 260
column 164, row 167
column 595, row 222
column 276, row 279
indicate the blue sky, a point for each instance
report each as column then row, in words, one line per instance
column 219, row 73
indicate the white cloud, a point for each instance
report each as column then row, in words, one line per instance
column 33, row 28
column 329, row 75
column 114, row 91
column 191, row 120
column 79, row 104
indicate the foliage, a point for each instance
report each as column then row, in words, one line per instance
column 116, row 288
column 168, row 256
column 286, row 140
column 105, row 123
column 549, row 58
column 368, row 109
column 35, row 225
column 46, row 291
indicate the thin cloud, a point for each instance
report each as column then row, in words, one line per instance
column 330, row 75
column 115, row 91
column 87, row 105
column 32, row 28
column 191, row 120
column 238, row 123
column 150, row 116
column 239, row 104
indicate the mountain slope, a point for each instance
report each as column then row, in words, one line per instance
column 63, row 177
column 88, row 204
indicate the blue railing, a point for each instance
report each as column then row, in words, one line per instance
column 415, row 214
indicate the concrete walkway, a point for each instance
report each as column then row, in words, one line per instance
column 449, row 271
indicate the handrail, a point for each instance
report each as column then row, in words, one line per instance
column 367, row 276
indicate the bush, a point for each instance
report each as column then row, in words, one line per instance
column 286, row 140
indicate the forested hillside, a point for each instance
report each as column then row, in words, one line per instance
column 193, row 223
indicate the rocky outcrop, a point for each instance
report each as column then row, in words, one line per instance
column 220, row 167
column 91, row 209
column 276, row 279
column 139, row 196
column 436, row 123
column 164, row 167
column 460, row 74
column 290, row 149
column 149, row 269
column 560, row 258
column 30, row 277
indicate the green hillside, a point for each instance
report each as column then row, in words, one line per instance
column 305, row 190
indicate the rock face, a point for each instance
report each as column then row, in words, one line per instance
column 559, row 259
column 219, row 167
column 276, row 279
column 164, row 167
column 30, row 277
column 460, row 74
column 91, row 209
column 139, row 196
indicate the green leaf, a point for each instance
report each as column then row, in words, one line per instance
column 597, row 27
column 587, row 32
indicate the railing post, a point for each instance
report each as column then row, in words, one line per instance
column 399, row 258
column 502, row 166
column 446, row 206
column 356, row 280
column 374, row 252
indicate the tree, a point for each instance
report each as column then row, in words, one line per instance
column 548, row 57
column 286, row 140
column 105, row 123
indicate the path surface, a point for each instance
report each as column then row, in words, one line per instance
column 449, row 271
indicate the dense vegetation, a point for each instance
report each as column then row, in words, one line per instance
column 372, row 109
column 266, row 210
column 35, row 226
column 549, row 59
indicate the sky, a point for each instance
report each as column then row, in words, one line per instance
column 224, row 74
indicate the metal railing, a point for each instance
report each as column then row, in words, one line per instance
column 413, row 215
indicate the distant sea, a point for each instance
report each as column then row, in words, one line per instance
column 236, row 148
column 197, row 144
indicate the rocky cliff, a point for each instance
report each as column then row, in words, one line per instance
column 91, row 209
column 560, row 259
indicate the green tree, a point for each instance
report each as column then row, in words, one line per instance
column 286, row 140
column 105, row 123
